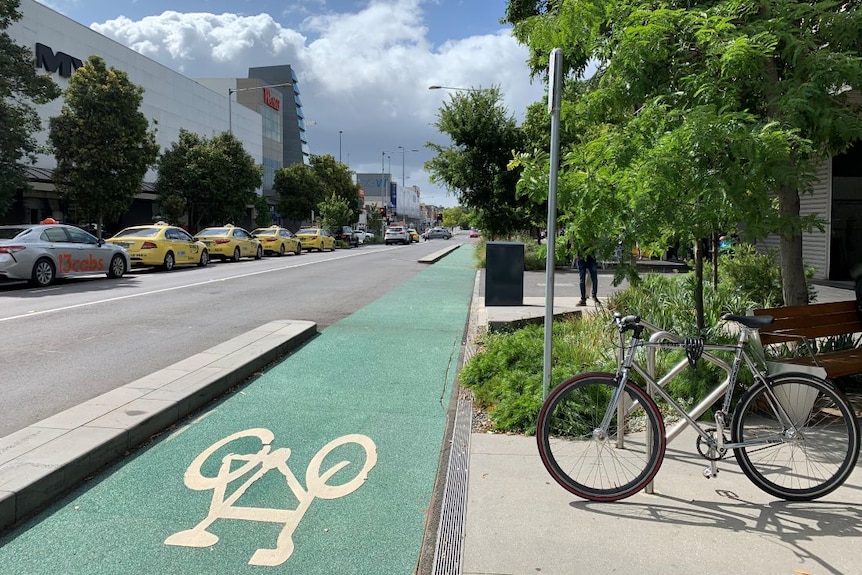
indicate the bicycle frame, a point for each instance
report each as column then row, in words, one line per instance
column 662, row 339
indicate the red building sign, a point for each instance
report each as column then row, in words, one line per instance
column 270, row 100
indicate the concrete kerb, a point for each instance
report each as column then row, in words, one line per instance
column 41, row 462
column 439, row 254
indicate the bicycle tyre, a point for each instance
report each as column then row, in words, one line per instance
column 590, row 466
column 810, row 464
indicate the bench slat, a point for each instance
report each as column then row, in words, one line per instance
column 816, row 321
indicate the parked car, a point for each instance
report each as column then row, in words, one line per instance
column 414, row 235
column 396, row 235
column 316, row 239
column 363, row 235
column 437, row 233
column 474, row 233
column 44, row 252
column 230, row 243
column 347, row 235
column 161, row 245
column 277, row 240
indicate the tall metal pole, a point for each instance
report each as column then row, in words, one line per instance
column 339, row 146
column 555, row 81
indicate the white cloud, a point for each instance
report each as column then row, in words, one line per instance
column 365, row 73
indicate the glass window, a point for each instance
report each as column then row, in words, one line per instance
column 81, row 237
column 55, row 235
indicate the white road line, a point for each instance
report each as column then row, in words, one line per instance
column 175, row 288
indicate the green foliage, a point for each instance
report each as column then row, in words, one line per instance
column 506, row 377
column 20, row 87
column 338, row 180
column 215, row 176
column 299, row 190
column 334, row 213
column 173, row 207
column 262, row 213
column 475, row 165
column 698, row 116
column 102, row 142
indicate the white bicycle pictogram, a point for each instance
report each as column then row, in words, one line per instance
column 257, row 465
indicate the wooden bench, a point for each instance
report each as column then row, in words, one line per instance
column 806, row 324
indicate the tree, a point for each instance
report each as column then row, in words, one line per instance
column 770, row 80
column 102, row 143
column 299, row 191
column 19, row 85
column 475, row 166
column 335, row 212
column 337, row 179
column 215, row 176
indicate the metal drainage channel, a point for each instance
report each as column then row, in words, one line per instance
column 450, row 531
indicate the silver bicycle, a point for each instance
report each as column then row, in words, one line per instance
column 602, row 437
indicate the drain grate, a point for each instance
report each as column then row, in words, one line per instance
column 450, row 532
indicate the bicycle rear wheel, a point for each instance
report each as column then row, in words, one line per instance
column 587, row 462
column 809, row 460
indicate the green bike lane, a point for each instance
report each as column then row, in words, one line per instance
column 326, row 463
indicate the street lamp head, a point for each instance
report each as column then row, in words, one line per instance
column 435, row 87
column 281, row 85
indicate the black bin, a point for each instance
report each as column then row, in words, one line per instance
column 504, row 273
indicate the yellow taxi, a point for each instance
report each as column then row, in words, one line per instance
column 230, row 243
column 277, row 240
column 316, row 239
column 161, row 245
column 414, row 235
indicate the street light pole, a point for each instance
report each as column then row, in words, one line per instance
column 403, row 177
column 232, row 91
column 339, row 146
column 435, row 87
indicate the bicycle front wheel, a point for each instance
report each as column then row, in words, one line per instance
column 807, row 459
column 594, row 463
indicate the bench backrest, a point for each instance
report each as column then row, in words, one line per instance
column 811, row 321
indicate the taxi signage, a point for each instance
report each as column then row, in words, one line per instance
column 89, row 264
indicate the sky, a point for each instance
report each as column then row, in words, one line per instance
column 364, row 66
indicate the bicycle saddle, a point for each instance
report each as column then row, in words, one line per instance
column 750, row 321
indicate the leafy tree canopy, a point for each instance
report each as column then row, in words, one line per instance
column 20, row 87
column 102, row 142
column 699, row 113
column 335, row 212
column 475, row 166
column 302, row 187
column 215, row 177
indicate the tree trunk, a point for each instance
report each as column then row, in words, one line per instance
column 715, row 254
column 698, row 285
column 793, row 284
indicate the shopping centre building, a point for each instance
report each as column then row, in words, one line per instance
column 264, row 110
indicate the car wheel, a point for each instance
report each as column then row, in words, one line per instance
column 236, row 254
column 168, row 264
column 43, row 273
column 259, row 253
column 117, row 268
column 205, row 259
column 281, row 250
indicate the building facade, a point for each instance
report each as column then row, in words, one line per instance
column 171, row 101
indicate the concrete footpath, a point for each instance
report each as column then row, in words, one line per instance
column 384, row 476
column 520, row 522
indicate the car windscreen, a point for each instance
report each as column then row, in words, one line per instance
column 11, row 233
column 264, row 232
column 138, row 233
column 213, row 232
column 308, row 232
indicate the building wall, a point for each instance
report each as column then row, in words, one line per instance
column 171, row 99
column 295, row 143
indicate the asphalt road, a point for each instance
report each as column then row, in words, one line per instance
column 73, row 341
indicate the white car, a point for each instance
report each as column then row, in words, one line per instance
column 396, row 235
column 363, row 235
column 44, row 252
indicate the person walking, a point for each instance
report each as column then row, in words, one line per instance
column 586, row 263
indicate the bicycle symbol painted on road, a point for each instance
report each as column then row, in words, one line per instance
column 257, row 465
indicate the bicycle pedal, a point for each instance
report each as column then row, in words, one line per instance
column 708, row 473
